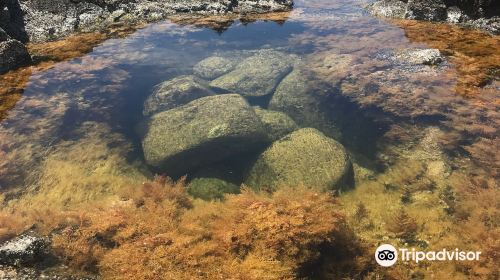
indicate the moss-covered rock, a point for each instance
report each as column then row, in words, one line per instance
column 174, row 93
column 211, row 188
column 214, row 66
column 256, row 75
column 201, row 132
column 277, row 124
column 305, row 102
column 306, row 157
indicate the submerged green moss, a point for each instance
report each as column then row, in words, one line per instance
column 211, row 188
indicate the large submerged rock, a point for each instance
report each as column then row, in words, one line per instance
column 174, row 93
column 306, row 157
column 256, row 75
column 304, row 103
column 203, row 131
column 277, row 124
column 214, row 67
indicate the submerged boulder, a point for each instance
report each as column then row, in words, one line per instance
column 421, row 56
column 388, row 8
column 211, row 188
column 13, row 54
column 304, row 103
column 306, row 157
column 203, row 131
column 277, row 124
column 412, row 57
column 174, row 93
column 214, row 66
column 256, row 75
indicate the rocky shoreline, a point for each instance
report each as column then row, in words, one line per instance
column 23, row 21
column 481, row 14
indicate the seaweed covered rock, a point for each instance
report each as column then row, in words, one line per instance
column 13, row 54
column 304, row 103
column 26, row 249
column 203, row 131
column 174, row 93
column 211, row 188
column 256, row 75
column 304, row 157
column 214, row 67
column 277, row 124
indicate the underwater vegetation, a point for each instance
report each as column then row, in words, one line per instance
column 421, row 141
column 156, row 231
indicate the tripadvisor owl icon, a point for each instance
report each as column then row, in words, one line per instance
column 386, row 255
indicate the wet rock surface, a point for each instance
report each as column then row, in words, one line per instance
column 26, row 249
column 13, row 54
column 43, row 20
column 277, row 124
column 413, row 57
column 206, row 130
column 305, row 157
column 257, row 75
column 174, row 93
column 26, row 273
column 214, row 67
column 482, row 14
column 298, row 98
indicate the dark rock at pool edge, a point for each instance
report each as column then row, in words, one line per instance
column 13, row 54
column 482, row 14
column 26, row 249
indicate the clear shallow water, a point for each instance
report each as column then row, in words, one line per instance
column 109, row 84
column 423, row 139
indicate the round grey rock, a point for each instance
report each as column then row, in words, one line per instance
column 256, row 75
column 174, row 93
column 277, row 124
column 201, row 132
column 213, row 67
column 305, row 157
column 305, row 104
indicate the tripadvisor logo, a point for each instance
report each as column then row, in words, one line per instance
column 387, row 255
